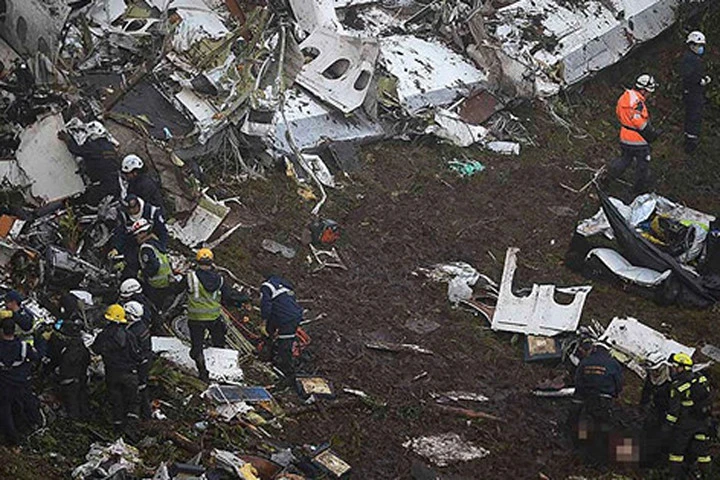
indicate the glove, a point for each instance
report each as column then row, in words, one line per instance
column 705, row 80
column 5, row 314
column 112, row 254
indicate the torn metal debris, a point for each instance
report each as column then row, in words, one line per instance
column 445, row 449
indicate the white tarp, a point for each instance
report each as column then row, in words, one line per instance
column 587, row 36
column 642, row 345
column 429, row 73
column 46, row 163
column 625, row 270
column 537, row 313
column 222, row 363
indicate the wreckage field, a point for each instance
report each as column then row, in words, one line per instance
column 445, row 318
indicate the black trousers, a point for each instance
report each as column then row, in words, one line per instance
column 122, row 387
column 197, row 340
column 283, row 356
column 689, row 443
column 694, row 107
column 19, row 410
column 638, row 154
column 160, row 297
column 75, row 398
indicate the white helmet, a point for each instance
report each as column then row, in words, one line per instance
column 130, row 287
column 646, row 82
column 140, row 225
column 134, row 310
column 696, row 37
column 130, row 163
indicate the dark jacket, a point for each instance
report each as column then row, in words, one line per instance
column 211, row 280
column 24, row 319
column 692, row 71
column 144, row 342
column 15, row 362
column 149, row 310
column 279, row 307
column 149, row 261
column 118, row 347
column 598, row 374
column 689, row 398
column 122, row 237
column 145, row 187
column 69, row 355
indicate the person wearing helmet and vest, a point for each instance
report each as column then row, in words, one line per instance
column 688, row 418
column 120, row 353
column 206, row 293
column 694, row 82
column 282, row 315
column 636, row 132
column 133, row 209
column 19, row 408
column 134, row 313
column 131, row 290
column 134, row 180
column 17, row 311
column 155, row 271
column 69, row 360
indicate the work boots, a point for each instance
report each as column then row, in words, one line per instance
column 202, row 369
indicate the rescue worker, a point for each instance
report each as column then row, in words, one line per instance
column 131, row 290
column 134, row 312
column 654, row 400
column 135, row 208
column 636, row 132
column 282, row 315
column 688, row 418
column 69, row 360
column 121, row 357
column 155, row 271
column 598, row 381
column 19, row 408
column 17, row 311
column 694, row 81
column 134, row 180
column 206, row 293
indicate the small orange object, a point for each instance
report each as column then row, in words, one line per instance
column 6, row 224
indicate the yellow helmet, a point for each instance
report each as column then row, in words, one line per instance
column 681, row 359
column 204, row 255
column 115, row 313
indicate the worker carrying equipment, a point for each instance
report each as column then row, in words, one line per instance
column 636, row 132
column 694, row 83
column 206, row 293
column 688, row 418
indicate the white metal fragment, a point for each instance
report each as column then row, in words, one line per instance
column 643, row 345
column 429, row 73
column 314, row 14
column 46, row 162
column 342, row 70
column 445, row 449
column 108, row 460
column 504, row 148
column 627, row 271
column 451, row 127
column 222, row 363
column 537, row 313
column 204, row 220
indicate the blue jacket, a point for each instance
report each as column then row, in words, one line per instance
column 145, row 187
column 23, row 318
column 278, row 306
column 150, row 261
column 598, row 374
column 14, row 364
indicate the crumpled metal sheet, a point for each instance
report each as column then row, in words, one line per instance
column 222, row 363
column 106, row 460
column 446, row 449
column 199, row 22
column 202, row 223
column 537, row 313
column 625, row 270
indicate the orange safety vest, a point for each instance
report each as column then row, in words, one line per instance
column 633, row 115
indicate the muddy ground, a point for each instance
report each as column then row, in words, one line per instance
column 404, row 209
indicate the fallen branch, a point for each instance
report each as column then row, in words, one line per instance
column 398, row 347
column 466, row 412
